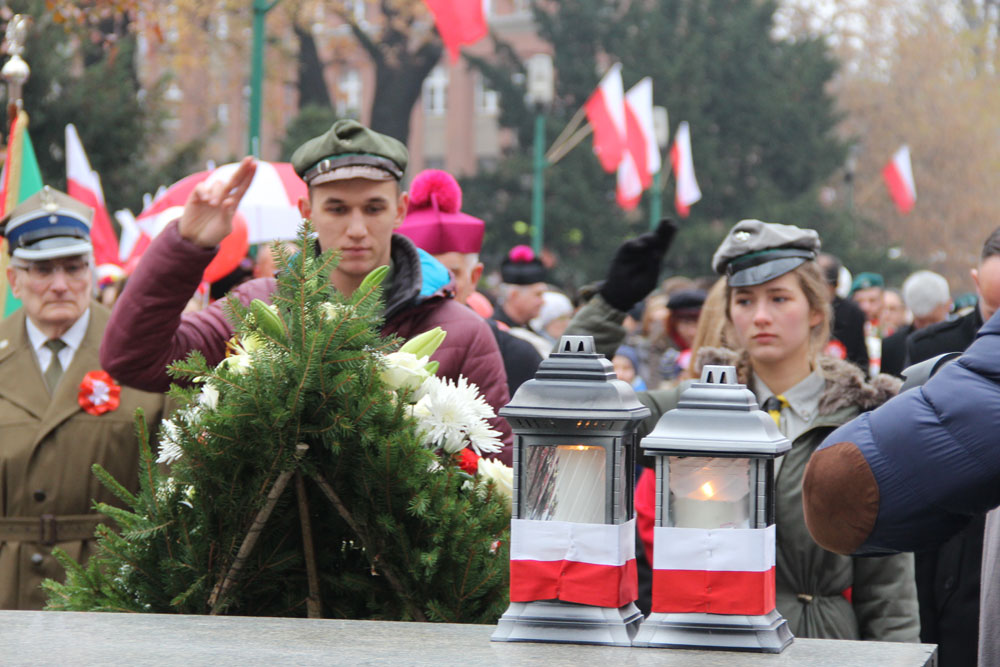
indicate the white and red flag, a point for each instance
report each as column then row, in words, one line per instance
column 641, row 158
column 84, row 185
column 715, row 571
column 605, row 110
column 898, row 176
column 586, row 563
column 687, row 191
column 459, row 22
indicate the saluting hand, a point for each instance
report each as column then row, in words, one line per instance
column 209, row 210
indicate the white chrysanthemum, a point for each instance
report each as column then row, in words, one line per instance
column 469, row 393
column 209, row 397
column 484, row 439
column 170, row 449
column 501, row 476
column 443, row 416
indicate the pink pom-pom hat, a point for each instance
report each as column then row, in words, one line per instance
column 434, row 220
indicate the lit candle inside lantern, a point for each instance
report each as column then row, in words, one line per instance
column 709, row 492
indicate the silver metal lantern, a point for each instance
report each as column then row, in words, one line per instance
column 714, row 540
column 573, row 575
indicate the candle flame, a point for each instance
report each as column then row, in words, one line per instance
column 707, row 489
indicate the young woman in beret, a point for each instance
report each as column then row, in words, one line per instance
column 778, row 314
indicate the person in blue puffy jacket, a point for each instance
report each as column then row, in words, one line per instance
column 915, row 471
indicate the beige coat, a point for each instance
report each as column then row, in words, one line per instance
column 47, row 447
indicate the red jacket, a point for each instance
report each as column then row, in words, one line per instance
column 147, row 331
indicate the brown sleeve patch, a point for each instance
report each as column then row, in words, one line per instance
column 839, row 498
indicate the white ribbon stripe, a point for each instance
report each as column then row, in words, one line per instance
column 720, row 550
column 594, row 543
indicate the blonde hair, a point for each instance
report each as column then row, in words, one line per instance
column 814, row 287
column 714, row 327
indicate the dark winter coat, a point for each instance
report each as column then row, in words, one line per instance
column 848, row 327
column 520, row 358
column 147, row 331
column 948, row 577
column 912, row 473
column 894, row 351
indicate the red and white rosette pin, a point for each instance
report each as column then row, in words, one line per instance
column 99, row 393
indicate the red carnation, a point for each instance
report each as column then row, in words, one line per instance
column 468, row 461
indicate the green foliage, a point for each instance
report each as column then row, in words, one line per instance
column 311, row 121
column 761, row 119
column 94, row 85
column 405, row 538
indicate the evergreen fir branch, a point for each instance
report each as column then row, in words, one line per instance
column 113, row 485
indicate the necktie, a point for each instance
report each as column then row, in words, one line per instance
column 54, row 372
column 774, row 405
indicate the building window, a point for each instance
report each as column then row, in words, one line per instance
column 349, row 94
column 222, row 113
column 487, row 101
column 436, row 92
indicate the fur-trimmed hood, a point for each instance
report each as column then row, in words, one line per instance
column 845, row 383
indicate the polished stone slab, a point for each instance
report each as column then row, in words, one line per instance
column 64, row 638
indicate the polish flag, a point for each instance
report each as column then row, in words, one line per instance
column 687, row 190
column 723, row 571
column 898, row 175
column 605, row 110
column 84, row 185
column 586, row 563
column 641, row 158
column 459, row 22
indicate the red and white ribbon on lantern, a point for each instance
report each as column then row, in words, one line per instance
column 586, row 563
column 722, row 571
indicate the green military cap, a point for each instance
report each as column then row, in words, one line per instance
column 755, row 252
column 47, row 225
column 866, row 280
column 350, row 150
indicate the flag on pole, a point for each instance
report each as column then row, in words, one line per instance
column 898, row 176
column 84, row 185
column 641, row 157
column 21, row 179
column 459, row 22
column 605, row 110
column 687, row 191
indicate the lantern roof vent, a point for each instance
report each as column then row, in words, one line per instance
column 576, row 383
column 716, row 416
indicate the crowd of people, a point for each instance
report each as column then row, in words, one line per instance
column 816, row 346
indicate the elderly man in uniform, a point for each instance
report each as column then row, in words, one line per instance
column 355, row 203
column 59, row 412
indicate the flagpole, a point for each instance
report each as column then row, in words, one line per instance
column 538, row 188
column 260, row 10
column 15, row 72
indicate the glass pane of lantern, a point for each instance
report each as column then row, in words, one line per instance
column 709, row 492
column 564, row 483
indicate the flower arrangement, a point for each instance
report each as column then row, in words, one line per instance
column 451, row 415
column 316, row 471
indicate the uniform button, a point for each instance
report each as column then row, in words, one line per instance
column 38, row 495
column 37, row 559
column 949, row 583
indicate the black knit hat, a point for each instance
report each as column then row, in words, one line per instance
column 521, row 267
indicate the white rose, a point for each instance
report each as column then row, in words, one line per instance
column 501, row 476
column 404, row 371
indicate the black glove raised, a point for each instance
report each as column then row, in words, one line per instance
column 635, row 267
